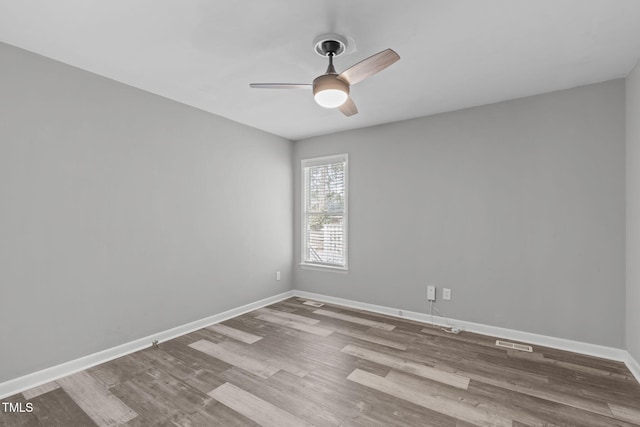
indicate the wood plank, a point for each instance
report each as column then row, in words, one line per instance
column 202, row 417
column 553, row 413
column 142, row 394
column 411, row 367
column 541, row 359
column 624, row 413
column 315, row 330
column 547, row 393
column 490, row 372
column 290, row 316
column 266, row 356
column 370, row 406
column 193, row 358
column 254, row 408
column 325, row 392
column 370, row 338
column 313, row 303
column 118, row 370
column 434, row 402
column 249, row 364
column 489, row 405
column 354, row 319
column 97, row 402
column 57, row 408
column 37, row 391
column 236, row 334
column 285, row 397
column 158, row 359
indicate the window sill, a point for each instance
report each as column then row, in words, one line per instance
column 320, row 267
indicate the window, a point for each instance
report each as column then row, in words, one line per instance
column 324, row 211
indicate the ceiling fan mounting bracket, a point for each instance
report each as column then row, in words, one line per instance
column 330, row 43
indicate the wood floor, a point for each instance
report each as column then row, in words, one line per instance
column 294, row 364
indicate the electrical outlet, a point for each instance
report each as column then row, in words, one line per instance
column 277, row 275
column 431, row 293
column 446, row 294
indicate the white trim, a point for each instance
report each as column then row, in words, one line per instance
column 319, row 161
column 633, row 365
column 321, row 267
column 26, row 382
column 494, row 331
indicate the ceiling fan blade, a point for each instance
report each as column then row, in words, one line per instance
column 348, row 108
column 370, row 66
column 280, row 86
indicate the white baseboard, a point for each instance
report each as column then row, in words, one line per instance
column 604, row 352
column 53, row 373
column 633, row 366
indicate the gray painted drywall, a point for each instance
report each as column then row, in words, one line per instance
column 123, row 214
column 518, row 207
column 632, row 329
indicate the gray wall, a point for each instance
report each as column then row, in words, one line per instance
column 632, row 330
column 124, row 214
column 518, row 207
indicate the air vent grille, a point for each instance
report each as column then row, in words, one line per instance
column 514, row 346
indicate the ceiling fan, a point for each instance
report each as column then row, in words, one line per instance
column 331, row 90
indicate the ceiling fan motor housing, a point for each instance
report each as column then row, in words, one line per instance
column 329, row 81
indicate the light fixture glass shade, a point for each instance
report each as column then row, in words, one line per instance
column 329, row 91
column 330, row 98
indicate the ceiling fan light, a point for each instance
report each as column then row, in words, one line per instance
column 330, row 98
column 329, row 91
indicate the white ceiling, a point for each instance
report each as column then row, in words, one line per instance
column 455, row 53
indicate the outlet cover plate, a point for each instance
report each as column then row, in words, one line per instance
column 431, row 293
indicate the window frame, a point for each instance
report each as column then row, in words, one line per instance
column 318, row 161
